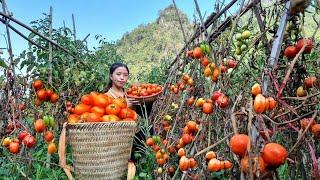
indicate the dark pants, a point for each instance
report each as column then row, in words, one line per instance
column 139, row 136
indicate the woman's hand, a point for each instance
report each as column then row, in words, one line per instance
column 132, row 101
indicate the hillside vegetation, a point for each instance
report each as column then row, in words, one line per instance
column 151, row 46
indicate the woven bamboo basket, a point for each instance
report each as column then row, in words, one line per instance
column 101, row 150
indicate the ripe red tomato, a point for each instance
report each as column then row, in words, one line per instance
column 49, row 93
column 290, row 52
column 21, row 106
column 216, row 95
column 54, row 97
column 302, row 42
column 223, row 101
column 42, row 94
column 127, row 113
column 37, row 84
column 29, row 141
column 48, row 136
column 232, row 63
column 23, row 134
column 87, row 99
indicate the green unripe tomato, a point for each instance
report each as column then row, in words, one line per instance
column 246, row 34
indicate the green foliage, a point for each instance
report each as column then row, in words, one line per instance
column 85, row 70
column 283, row 171
column 146, row 165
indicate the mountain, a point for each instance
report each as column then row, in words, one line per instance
column 154, row 44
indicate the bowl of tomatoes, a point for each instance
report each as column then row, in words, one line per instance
column 144, row 92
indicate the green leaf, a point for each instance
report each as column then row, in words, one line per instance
column 142, row 174
column 3, row 64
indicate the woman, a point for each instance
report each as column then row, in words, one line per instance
column 119, row 74
column 118, row 77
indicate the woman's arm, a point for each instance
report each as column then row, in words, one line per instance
column 131, row 102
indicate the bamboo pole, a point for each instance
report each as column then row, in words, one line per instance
column 74, row 28
column 23, row 36
column 37, row 33
column 177, row 12
column 48, row 160
column 50, row 47
column 276, row 47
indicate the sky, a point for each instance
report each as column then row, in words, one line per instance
column 109, row 18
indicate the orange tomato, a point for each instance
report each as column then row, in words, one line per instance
column 256, row 89
column 214, row 165
column 274, row 154
column 94, row 117
column 97, row 110
column 258, row 162
column 126, row 113
column 39, row 126
column 87, row 99
column 52, row 148
column 181, row 152
column 113, row 109
column 207, row 108
column 184, row 163
column 81, row 108
column 210, row 155
column 259, row 104
column 100, row 100
column 73, row 118
column 121, row 102
column 239, row 144
column 197, row 53
column 110, row 118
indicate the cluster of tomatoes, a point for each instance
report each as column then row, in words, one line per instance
column 200, row 52
column 291, row 51
column 272, row 155
column 186, row 80
column 98, row 107
column 29, row 141
column 215, row 164
column 311, row 125
column 207, row 105
column 211, row 70
column 189, row 131
column 242, row 41
column 143, row 90
column 166, row 122
column 228, row 64
column 162, row 155
column 185, row 163
column 309, row 82
column 43, row 94
column 261, row 104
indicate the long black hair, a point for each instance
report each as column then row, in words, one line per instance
column 113, row 67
